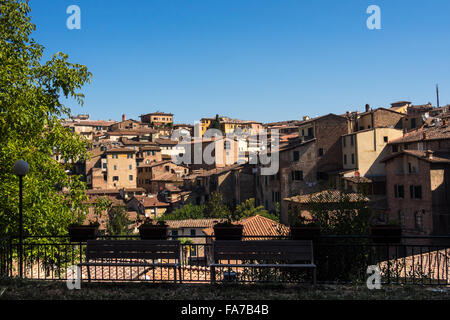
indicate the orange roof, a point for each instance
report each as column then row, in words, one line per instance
column 151, row 202
column 258, row 226
column 440, row 132
column 121, row 150
column 193, row 223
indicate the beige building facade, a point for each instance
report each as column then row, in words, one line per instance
column 121, row 168
column 364, row 150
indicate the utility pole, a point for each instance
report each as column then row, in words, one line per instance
column 437, row 94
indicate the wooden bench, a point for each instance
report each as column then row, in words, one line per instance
column 286, row 253
column 132, row 253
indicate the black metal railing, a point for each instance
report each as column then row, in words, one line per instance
column 339, row 259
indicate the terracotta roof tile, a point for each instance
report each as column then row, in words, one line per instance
column 331, row 195
column 258, row 226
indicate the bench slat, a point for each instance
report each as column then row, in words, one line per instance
column 137, row 249
column 87, row 264
column 291, row 265
column 285, row 257
column 285, row 250
column 132, row 255
column 136, row 245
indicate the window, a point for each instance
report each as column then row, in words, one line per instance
column 310, row 132
column 345, row 159
column 193, row 250
column 344, row 139
column 353, row 158
column 130, row 177
column 227, row 145
column 114, row 156
column 351, row 140
column 192, row 232
column 140, row 170
column 276, row 196
column 104, row 165
column 296, row 156
column 320, row 152
column 115, row 167
column 418, row 221
column 399, row 191
column 297, row 175
column 175, row 233
column 130, row 156
column 401, row 218
column 386, row 139
column 115, row 178
column 130, row 167
column 415, row 192
column 413, row 123
column 167, row 168
column 394, row 148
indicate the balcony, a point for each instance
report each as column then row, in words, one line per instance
column 339, row 259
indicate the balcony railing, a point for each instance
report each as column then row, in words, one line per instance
column 339, row 259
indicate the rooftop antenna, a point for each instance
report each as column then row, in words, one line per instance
column 437, row 94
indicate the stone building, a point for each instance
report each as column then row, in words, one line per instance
column 297, row 174
column 418, row 191
column 121, row 168
column 155, row 175
column 327, row 131
column 158, row 119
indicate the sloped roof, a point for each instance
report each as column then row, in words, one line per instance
column 330, row 195
column 166, row 141
column 436, row 156
column 358, row 179
column 151, row 201
column 193, row 223
column 120, row 150
column 258, row 226
column 432, row 133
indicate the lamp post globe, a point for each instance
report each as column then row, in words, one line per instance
column 20, row 168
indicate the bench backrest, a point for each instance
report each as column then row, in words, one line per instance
column 132, row 249
column 275, row 250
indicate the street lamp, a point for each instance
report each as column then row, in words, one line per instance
column 20, row 169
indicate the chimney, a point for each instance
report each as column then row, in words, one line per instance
column 429, row 154
column 124, row 117
column 367, row 107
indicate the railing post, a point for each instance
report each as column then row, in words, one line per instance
column 388, row 264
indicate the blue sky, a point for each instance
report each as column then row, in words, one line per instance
column 264, row 60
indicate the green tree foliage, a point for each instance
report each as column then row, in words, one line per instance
column 189, row 211
column 216, row 123
column 346, row 214
column 215, row 208
column 248, row 209
column 118, row 222
column 341, row 213
column 30, row 129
